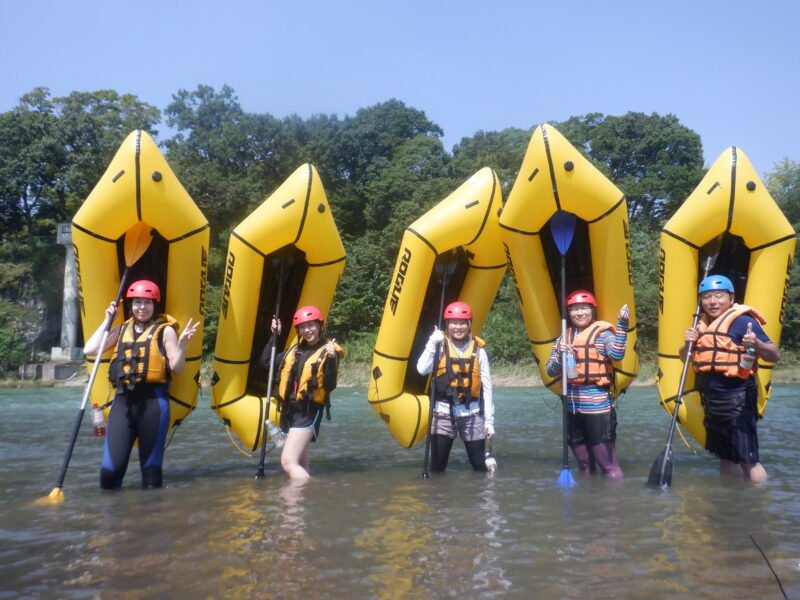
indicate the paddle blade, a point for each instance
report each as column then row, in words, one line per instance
column 562, row 226
column 565, row 478
column 661, row 471
column 137, row 241
column 54, row 497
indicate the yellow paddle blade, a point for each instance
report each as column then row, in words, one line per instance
column 137, row 240
column 54, row 497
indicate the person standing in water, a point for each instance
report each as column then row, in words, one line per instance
column 147, row 350
column 591, row 415
column 462, row 384
column 726, row 333
column 305, row 377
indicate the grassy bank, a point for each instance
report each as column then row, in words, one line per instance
column 354, row 370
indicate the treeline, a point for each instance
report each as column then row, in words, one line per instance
column 382, row 168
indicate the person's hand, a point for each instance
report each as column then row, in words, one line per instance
column 330, row 348
column 275, row 327
column 749, row 339
column 564, row 347
column 691, row 335
column 489, row 431
column 624, row 313
column 436, row 337
column 111, row 311
column 188, row 332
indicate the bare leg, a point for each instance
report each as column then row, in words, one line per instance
column 755, row 472
column 728, row 468
column 294, row 458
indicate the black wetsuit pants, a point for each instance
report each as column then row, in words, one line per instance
column 140, row 414
column 440, row 453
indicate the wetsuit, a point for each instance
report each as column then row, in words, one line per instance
column 139, row 412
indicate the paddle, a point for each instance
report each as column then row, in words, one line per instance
column 661, row 472
column 260, row 473
column 137, row 240
column 431, row 392
column 562, row 227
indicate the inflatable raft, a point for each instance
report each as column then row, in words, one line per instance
column 139, row 187
column 554, row 177
column 456, row 244
column 289, row 244
column 756, row 252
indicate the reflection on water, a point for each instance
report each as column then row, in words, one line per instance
column 366, row 525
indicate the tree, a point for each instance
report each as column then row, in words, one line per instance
column 503, row 151
column 653, row 159
column 52, row 152
column 784, row 185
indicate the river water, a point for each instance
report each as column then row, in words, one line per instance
column 367, row 525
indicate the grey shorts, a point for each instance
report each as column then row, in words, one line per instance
column 470, row 428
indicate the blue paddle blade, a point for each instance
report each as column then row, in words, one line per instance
column 565, row 479
column 562, row 226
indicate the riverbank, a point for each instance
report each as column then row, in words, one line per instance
column 504, row 374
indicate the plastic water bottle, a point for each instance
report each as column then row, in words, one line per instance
column 98, row 421
column 491, row 463
column 572, row 368
column 275, row 434
column 489, row 460
column 747, row 360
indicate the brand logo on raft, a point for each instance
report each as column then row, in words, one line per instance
column 513, row 274
column 203, row 280
column 226, row 292
column 628, row 251
column 786, row 288
column 78, row 278
column 400, row 279
column 662, row 265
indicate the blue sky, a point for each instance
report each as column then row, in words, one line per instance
column 728, row 70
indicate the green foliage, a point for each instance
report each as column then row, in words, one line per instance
column 381, row 168
column 644, row 259
column 653, row 159
column 504, row 330
column 784, row 185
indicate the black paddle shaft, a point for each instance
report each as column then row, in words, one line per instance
column 661, row 472
column 431, row 391
column 262, row 459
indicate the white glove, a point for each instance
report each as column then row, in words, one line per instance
column 436, row 337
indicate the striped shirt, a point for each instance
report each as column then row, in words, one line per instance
column 589, row 398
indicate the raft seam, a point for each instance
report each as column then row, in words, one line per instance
column 305, row 204
column 775, row 242
column 425, row 241
column 680, row 239
column 93, row 234
column 487, row 211
column 188, row 234
column 551, row 167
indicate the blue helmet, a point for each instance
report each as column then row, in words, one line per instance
column 715, row 282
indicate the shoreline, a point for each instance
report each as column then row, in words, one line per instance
column 357, row 375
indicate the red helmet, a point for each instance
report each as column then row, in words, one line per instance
column 304, row 314
column 144, row 289
column 458, row 310
column 581, row 297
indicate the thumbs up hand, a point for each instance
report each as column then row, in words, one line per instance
column 749, row 339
